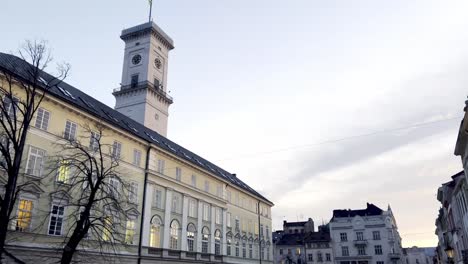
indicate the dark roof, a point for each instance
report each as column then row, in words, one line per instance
column 370, row 210
column 294, row 223
column 301, row 238
column 76, row 97
column 317, row 237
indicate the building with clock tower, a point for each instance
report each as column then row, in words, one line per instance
column 143, row 94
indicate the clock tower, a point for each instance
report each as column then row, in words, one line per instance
column 143, row 94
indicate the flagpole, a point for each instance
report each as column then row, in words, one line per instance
column 151, row 7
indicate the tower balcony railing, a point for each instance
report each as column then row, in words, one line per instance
column 145, row 84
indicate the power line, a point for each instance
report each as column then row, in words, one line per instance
column 330, row 141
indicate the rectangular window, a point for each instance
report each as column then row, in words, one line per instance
column 63, row 171
column 178, row 174
column 158, row 198
column 237, row 223
column 218, row 216
column 344, row 251
column 359, row 236
column 130, row 232
column 206, row 212
column 42, row 119
column 344, row 237
column 11, row 106
column 133, row 192
column 94, row 141
column 250, row 250
column 207, row 186
column 56, row 220
column 361, row 250
column 228, row 219
column 23, row 221
column 107, row 229
column 319, row 257
column 378, row 249
column 136, row 157
column 134, row 81
column 376, row 235
column 161, row 166
column 35, row 161
column 114, row 187
column 194, row 181
column 328, row 256
column 175, row 203
column 219, row 190
column 228, row 196
column 70, row 130
column 310, row 257
column 193, row 208
column 116, row 150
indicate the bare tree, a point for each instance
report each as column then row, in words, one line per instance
column 99, row 200
column 23, row 86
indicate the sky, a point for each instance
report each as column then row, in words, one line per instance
column 277, row 91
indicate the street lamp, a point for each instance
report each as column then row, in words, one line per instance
column 449, row 251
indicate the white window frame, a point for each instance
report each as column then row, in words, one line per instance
column 57, row 217
column 70, row 130
column 136, row 157
column 178, row 175
column 158, row 199
column 161, row 165
column 42, row 119
column 206, row 212
column 116, row 149
column 218, row 216
column 192, row 208
column 114, row 186
column 37, row 153
column 194, row 180
column 130, row 231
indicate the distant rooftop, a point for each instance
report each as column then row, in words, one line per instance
column 370, row 210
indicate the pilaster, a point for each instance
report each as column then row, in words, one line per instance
column 185, row 202
column 147, row 221
column 167, row 218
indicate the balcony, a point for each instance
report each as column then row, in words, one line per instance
column 360, row 242
column 394, row 256
column 143, row 85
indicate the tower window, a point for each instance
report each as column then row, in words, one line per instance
column 134, row 81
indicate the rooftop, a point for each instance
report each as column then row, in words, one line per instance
column 145, row 28
column 369, row 211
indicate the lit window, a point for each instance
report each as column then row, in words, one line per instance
column 116, row 149
column 174, row 241
column 63, row 171
column 23, row 221
column 56, row 220
column 130, row 231
column 178, row 174
column 70, row 130
column 155, row 235
column 107, row 229
column 42, row 119
column 35, row 161
column 191, row 231
column 136, row 157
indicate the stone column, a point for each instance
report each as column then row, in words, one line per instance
column 147, row 221
column 212, row 230
column 223, row 234
column 167, row 218
column 199, row 225
column 185, row 203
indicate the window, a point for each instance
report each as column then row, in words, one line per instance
column 35, row 161
column 134, row 81
column 319, row 257
column 261, row 230
column 267, row 232
column 344, row 251
column 228, row 247
column 155, row 235
column 361, row 250
column 237, row 248
column 175, row 203
column 205, row 237
column 228, row 219
column 116, row 150
column 359, row 236
column 178, row 174
column 310, row 257
column 237, row 223
column 328, row 256
column 161, row 165
column 218, row 216
column 228, row 196
column 42, row 119
column 381, row 262
column 250, row 249
column 378, row 249
column 11, row 106
column 174, row 241
column 343, row 237
column 136, row 157
column 376, row 235
column 63, row 171
column 244, row 250
column 207, row 186
column 130, row 231
column 219, row 190
column 133, row 193
column 56, row 220
column 114, row 187
column 194, row 181
column 158, row 198
column 217, row 237
column 94, row 141
column 191, row 230
column 206, row 212
column 107, row 229
column 70, row 130
column 192, row 208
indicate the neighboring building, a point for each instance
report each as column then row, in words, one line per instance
column 417, row 255
column 461, row 146
column 298, row 227
column 365, row 236
column 194, row 210
column 319, row 247
column 452, row 221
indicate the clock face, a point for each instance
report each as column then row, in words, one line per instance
column 157, row 63
column 136, row 59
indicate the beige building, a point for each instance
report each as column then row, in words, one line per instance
column 185, row 208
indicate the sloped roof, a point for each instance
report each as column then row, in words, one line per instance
column 370, row 210
column 77, row 98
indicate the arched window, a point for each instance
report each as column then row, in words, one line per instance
column 205, row 238
column 217, row 237
column 191, row 231
column 155, row 232
column 229, row 242
column 175, row 227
